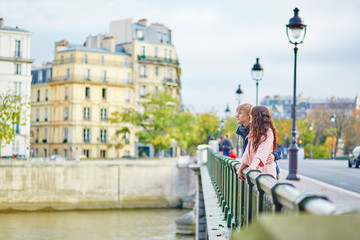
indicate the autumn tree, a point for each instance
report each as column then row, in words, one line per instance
column 12, row 113
column 159, row 121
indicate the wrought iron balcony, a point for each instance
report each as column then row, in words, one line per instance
column 152, row 59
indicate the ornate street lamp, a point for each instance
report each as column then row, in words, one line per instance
column 257, row 73
column 311, row 127
column 332, row 119
column 227, row 116
column 239, row 94
column 298, row 32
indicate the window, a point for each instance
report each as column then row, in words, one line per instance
column 165, row 73
column 87, row 153
column 127, row 78
column 104, row 93
column 46, row 114
column 143, row 71
column 71, row 58
column 62, row 60
column 87, row 135
column 102, row 153
column 40, row 76
column 127, row 138
column 165, row 54
column 17, row 88
column 160, row 37
column 48, row 74
column 17, row 128
column 37, row 115
column 37, row 135
column 170, row 53
column 85, row 59
column 127, row 96
column 17, row 48
column 140, row 34
column 156, row 51
column 156, row 71
column 87, row 92
column 127, row 153
column 38, row 96
column 156, row 91
column 126, row 62
column 66, row 93
column 86, row 113
column 65, row 152
column 103, row 76
column 103, row 136
column 45, row 135
column 46, row 94
column 55, row 151
column 142, row 51
column 18, row 69
column 87, row 74
column 45, row 152
column 171, row 74
column 65, row 135
column 142, row 91
column 67, row 74
column 66, row 113
column 102, row 60
column 103, row 114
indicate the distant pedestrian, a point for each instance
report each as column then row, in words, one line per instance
column 243, row 119
column 214, row 144
column 226, row 145
column 262, row 141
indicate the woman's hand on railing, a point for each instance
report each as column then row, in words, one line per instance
column 239, row 170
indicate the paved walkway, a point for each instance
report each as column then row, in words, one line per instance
column 338, row 196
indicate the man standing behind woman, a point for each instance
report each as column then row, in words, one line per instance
column 259, row 139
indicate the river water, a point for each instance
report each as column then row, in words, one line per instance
column 134, row 224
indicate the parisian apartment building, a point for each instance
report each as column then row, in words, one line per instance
column 73, row 95
column 15, row 79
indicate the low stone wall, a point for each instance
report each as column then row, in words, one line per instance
column 94, row 184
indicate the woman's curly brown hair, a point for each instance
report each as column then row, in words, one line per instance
column 260, row 123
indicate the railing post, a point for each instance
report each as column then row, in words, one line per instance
column 250, row 190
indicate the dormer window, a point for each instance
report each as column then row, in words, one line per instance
column 139, row 34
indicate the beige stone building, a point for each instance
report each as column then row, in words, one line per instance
column 110, row 72
column 71, row 107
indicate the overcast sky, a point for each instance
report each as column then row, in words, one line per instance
column 217, row 42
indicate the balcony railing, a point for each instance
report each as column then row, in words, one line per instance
column 243, row 201
column 98, row 79
column 158, row 60
column 171, row 81
column 93, row 61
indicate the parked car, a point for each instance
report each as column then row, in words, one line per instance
column 354, row 157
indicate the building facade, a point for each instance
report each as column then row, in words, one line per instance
column 15, row 77
column 155, row 62
column 70, row 109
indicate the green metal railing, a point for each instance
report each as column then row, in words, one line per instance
column 243, row 201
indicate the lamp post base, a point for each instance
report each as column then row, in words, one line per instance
column 292, row 177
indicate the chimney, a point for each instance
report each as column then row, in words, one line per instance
column 143, row 22
column 1, row 22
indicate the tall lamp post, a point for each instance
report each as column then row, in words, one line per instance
column 298, row 32
column 239, row 95
column 257, row 73
column 311, row 127
column 332, row 119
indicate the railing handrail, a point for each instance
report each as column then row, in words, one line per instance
column 243, row 201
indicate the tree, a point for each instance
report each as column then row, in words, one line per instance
column 207, row 123
column 12, row 114
column 159, row 122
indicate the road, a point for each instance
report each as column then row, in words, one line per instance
column 334, row 172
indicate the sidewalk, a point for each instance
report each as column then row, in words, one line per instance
column 338, row 196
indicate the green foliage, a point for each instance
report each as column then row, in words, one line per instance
column 207, row 123
column 318, row 152
column 160, row 122
column 12, row 111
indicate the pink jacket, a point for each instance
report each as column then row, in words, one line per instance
column 253, row 159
